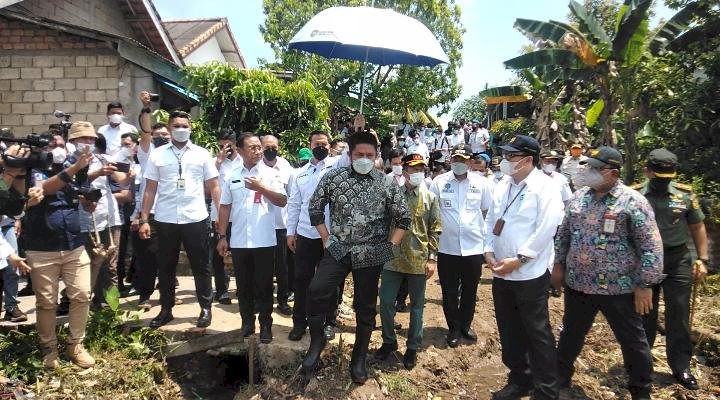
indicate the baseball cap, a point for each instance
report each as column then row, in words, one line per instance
column 556, row 154
column 604, row 156
column 305, row 154
column 413, row 159
column 481, row 156
column 81, row 129
column 522, row 143
column 461, row 150
column 496, row 161
column 663, row 163
column 576, row 146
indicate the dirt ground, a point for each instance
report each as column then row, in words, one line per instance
column 475, row 370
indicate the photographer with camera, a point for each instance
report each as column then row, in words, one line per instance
column 55, row 247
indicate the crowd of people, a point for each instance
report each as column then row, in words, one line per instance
column 116, row 205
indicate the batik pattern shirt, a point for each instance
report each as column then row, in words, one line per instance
column 610, row 245
column 420, row 243
column 363, row 209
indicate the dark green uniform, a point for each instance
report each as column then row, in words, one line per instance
column 674, row 211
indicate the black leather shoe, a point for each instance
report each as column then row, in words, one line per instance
column 384, row 351
column 687, row 379
column 296, row 333
column 410, row 359
column 453, row 338
column 511, row 391
column 284, row 309
column 317, row 344
column 204, row 319
column 223, row 299
column 329, row 332
column 266, row 334
column 26, row 291
column 248, row 329
column 469, row 334
column 163, row 318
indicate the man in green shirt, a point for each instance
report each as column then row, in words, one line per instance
column 677, row 213
column 414, row 261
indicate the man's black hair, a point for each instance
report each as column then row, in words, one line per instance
column 158, row 125
column 114, row 104
column 318, row 132
column 244, row 136
column 227, row 134
column 101, row 143
column 179, row 114
column 362, row 137
column 394, row 153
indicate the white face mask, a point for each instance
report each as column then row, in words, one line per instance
column 81, row 148
column 363, row 165
column 181, row 135
column 498, row 174
column 59, row 155
column 415, row 179
column 508, row 167
column 459, row 168
column 592, row 177
column 115, row 119
column 549, row 168
column 397, row 170
column 124, row 153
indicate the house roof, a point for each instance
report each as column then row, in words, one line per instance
column 143, row 18
column 189, row 34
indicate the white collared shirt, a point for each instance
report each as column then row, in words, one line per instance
column 456, row 139
column 252, row 214
column 303, row 183
column 397, row 179
column 562, row 184
column 443, row 144
column 461, row 206
column 570, row 165
column 107, row 209
column 531, row 222
column 225, row 167
column 418, row 148
column 173, row 204
column 113, row 136
column 282, row 170
column 478, row 139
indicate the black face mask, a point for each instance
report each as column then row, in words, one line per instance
column 270, row 154
column 659, row 185
column 160, row 141
column 320, row 152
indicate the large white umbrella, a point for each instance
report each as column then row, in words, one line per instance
column 368, row 34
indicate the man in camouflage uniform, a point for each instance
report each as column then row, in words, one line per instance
column 677, row 212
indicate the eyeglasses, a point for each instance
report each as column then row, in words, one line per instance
column 254, row 148
column 510, row 156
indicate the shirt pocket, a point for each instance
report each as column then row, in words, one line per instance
column 473, row 201
column 168, row 170
column 193, row 169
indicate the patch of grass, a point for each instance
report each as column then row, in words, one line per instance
column 399, row 386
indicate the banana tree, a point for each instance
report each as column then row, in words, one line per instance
column 587, row 53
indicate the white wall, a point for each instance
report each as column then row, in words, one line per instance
column 209, row 51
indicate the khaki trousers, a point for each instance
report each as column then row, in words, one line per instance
column 47, row 268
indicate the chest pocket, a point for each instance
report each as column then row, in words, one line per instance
column 168, row 170
column 473, row 200
column 192, row 169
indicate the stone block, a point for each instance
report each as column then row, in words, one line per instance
column 12, row 97
column 22, row 108
column 64, row 61
column 21, row 84
column 53, row 96
column 68, row 107
column 9, row 73
column 107, row 61
column 12, row 120
column 30, row 73
column 4, row 61
column 74, row 95
column 97, row 119
column 53, row 72
column 107, row 83
column 33, row 120
column 32, row 96
column 24, row 130
column 86, row 107
column 5, row 108
column 95, row 95
column 64, row 84
column 44, row 108
column 86, row 61
column 75, row 72
column 4, row 85
column 79, row 117
column 97, row 72
column 112, row 72
column 21, row 61
column 43, row 61
column 87, row 83
column 43, row 84
column 112, row 95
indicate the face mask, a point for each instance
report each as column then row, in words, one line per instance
column 124, row 153
column 181, row 135
column 459, row 168
column 415, row 179
column 363, row 165
column 270, row 154
column 549, row 168
column 81, row 148
column 320, row 152
column 401, row 143
column 397, row 170
column 508, row 167
column 59, row 155
column 498, row 174
column 592, row 177
column 115, row 119
column 159, row 141
column 659, row 185
column 438, row 135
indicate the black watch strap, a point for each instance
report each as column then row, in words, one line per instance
column 146, row 110
column 65, row 177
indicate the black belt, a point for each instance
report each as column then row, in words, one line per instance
column 676, row 248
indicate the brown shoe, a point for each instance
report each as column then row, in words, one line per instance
column 79, row 356
column 50, row 360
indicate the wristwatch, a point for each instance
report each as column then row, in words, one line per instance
column 145, row 110
column 523, row 259
column 219, row 236
column 704, row 261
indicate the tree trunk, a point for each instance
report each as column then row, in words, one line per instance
column 609, row 138
column 630, row 150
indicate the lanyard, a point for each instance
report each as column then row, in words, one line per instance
column 514, row 198
column 179, row 158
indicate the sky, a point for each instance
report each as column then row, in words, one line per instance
column 489, row 39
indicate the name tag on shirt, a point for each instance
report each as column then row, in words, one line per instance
column 446, row 203
column 181, row 184
column 258, row 198
column 609, row 223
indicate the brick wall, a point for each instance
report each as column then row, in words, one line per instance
column 73, row 74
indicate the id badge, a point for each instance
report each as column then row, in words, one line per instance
column 446, row 203
column 498, row 228
column 609, row 223
column 258, row 198
column 181, row 184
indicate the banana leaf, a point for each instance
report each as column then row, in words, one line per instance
column 694, row 35
column 593, row 113
column 556, row 57
column 672, row 28
column 352, row 103
column 503, row 91
column 422, row 118
column 535, row 30
column 630, row 28
column 592, row 28
column 535, row 82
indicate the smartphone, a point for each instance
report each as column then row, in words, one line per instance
column 39, row 179
column 154, row 97
column 122, row 167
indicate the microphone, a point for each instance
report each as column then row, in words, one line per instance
column 60, row 114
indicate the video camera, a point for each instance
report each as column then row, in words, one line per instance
column 38, row 158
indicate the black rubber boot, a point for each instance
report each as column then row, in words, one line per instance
column 358, row 372
column 316, row 323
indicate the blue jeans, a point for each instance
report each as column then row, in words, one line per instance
column 10, row 277
column 389, row 287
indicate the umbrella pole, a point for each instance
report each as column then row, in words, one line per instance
column 362, row 82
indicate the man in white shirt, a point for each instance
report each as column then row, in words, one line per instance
column 571, row 163
column 416, row 146
column 281, row 171
column 115, row 127
column 551, row 160
column 464, row 200
column 439, row 147
column 519, row 250
column 396, row 175
column 302, row 238
column 177, row 174
column 479, row 138
column 251, row 194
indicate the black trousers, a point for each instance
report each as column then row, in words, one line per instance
column 253, row 277
column 528, row 344
column 324, row 287
column 462, row 272
column 626, row 324
column 222, row 279
column 192, row 236
column 308, row 253
column 146, row 251
column 125, row 253
column 281, row 266
column 676, row 289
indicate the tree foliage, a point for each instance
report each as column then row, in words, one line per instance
column 391, row 88
column 473, row 107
